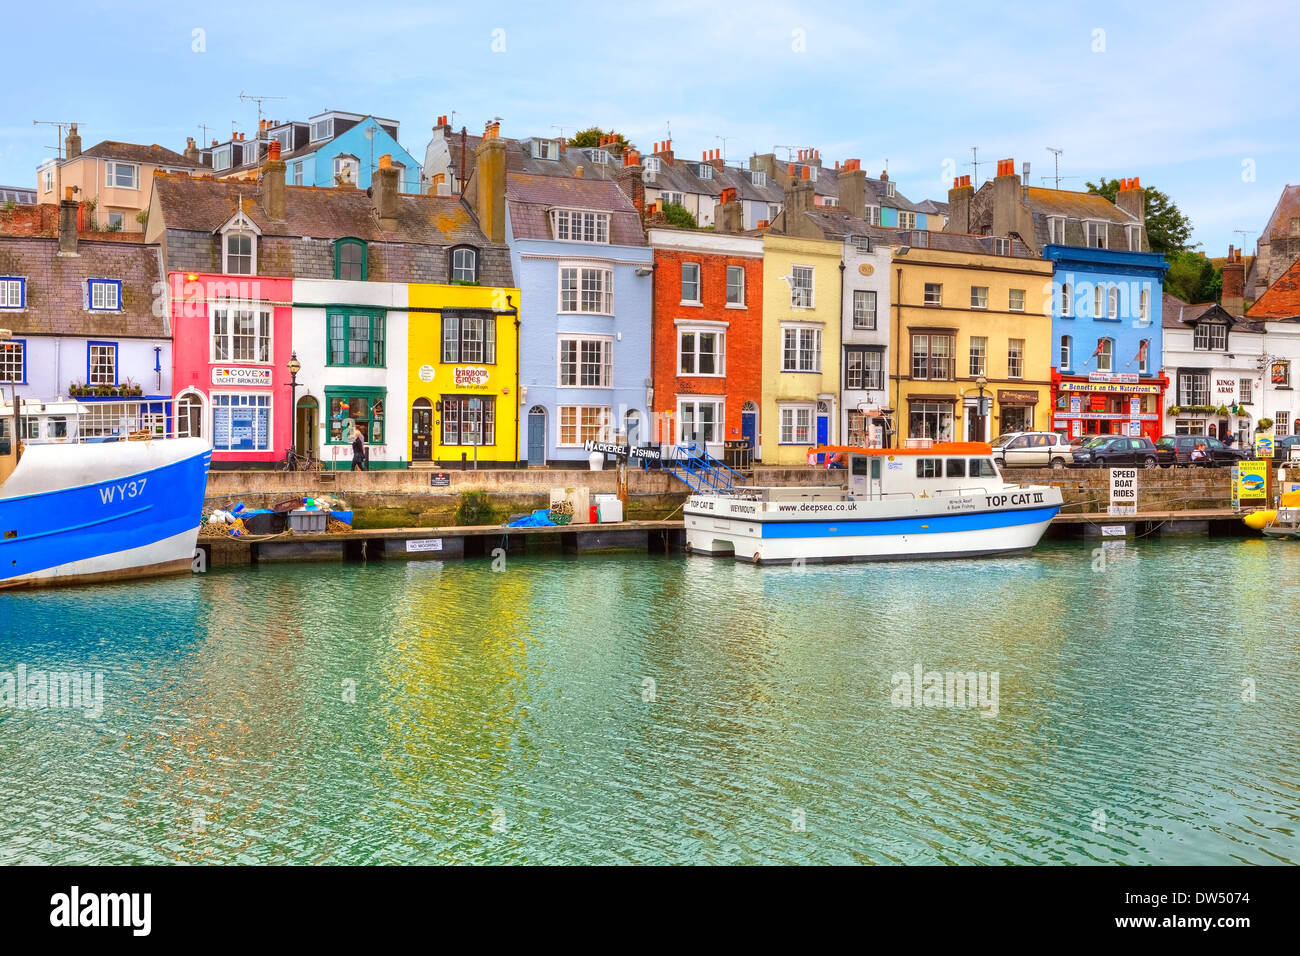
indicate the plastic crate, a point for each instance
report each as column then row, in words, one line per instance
column 302, row 521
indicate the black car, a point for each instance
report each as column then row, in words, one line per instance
column 1282, row 448
column 1105, row 450
column 1181, row 450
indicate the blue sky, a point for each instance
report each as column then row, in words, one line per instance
column 1196, row 99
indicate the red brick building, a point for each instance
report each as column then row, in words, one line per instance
column 708, row 339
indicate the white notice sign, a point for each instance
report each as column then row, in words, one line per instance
column 1123, row 491
column 424, row 544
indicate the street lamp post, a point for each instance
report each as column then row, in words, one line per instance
column 294, row 368
column 982, row 382
column 5, row 336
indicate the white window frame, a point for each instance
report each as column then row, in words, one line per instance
column 1011, row 300
column 222, row 157
column 546, row 149
column 980, row 352
column 296, row 178
column 605, row 293
column 343, row 162
column 1281, row 423
column 1244, row 391
column 117, row 219
column 257, row 400
column 937, row 299
column 1134, row 237
column 675, row 199
column 13, row 293
column 458, row 269
column 1215, row 332
column 1066, row 303
column 865, row 319
column 1144, row 356
column 1015, row 358
column 651, row 164
column 873, row 215
column 1056, row 230
column 699, row 292
column 979, row 297
column 48, row 179
column 1067, row 351
column 1144, row 305
column 1094, row 229
column 706, row 171
column 580, row 225
column 606, row 360
column 1098, row 301
column 1106, row 357
column 1112, row 302
column 807, row 343
column 101, row 363
column 1001, row 246
column 695, row 402
column 719, row 354
column 579, row 425
column 105, row 295
column 797, row 287
column 229, row 310
column 789, row 426
column 111, row 169
column 734, row 303
column 322, row 129
column 758, row 177
column 600, row 157
column 906, row 219
column 225, row 251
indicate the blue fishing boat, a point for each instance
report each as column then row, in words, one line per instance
column 76, row 511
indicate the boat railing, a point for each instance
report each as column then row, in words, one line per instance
column 67, row 421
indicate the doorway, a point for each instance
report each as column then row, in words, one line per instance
column 823, row 424
column 537, row 435
column 421, row 430
column 304, row 432
column 749, row 426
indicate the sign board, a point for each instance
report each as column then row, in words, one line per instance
column 1114, row 378
column 440, row 479
column 1252, row 480
column 469, row 376
column 1264, row 446
column 623, row 451
column 1110, row 388
column 1076, row 404
column 232, row 375
column 1134, row 429
column 423, row 544
column 1123, row 491
column 426, row 373
column 1225, row 387
column 1114, row 530
column 1134, row 407
column 1110, row 416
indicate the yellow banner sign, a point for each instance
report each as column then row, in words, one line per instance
column 1252, row 480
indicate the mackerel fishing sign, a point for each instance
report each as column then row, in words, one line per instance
column 623, row 451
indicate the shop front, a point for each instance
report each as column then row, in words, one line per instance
column 1108, row 404
column 1016, row 408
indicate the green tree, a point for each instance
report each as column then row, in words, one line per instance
column 1192, row 277
column 1167, row 228
column 593, row 136
column 679, row 215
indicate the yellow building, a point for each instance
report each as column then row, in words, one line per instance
column 968, row 311
column 463, row 374
column 801, row 347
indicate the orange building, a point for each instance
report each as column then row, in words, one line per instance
column 707, row 352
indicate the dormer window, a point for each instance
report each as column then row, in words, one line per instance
column 350, row 259
column 322, row 129
column 830, row 201
column 221, row 158
column 1001, row 247
column 873, row 215
column 706, row 171
column 464, row 265
column 346, row 170
column 600, row 157
column 921, row 240
column 574, row 225
column 651, row 164
column 546, row 149
column 758, row 177
column 889, row 190
column 862, row 243
column 1056, row 230
column 1096, row 234
column 1211, row 337
column 104, row 295
column 906, row 220
column 284, row 137
column 239, row 246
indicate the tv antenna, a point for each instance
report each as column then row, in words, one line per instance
column 58, row 147
column 553, row 126
column 1056, row 165
column 724, row 145
column 1245, row 234
column 975, row 164
column 259, row 100
column 203, row 130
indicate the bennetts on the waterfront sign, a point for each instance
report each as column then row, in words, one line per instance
column 623, row 451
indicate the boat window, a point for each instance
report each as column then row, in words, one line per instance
column 58, row 427
column 928, row 468
column 982, row 468
column 875, row 469
column 956, row 467
column 859, row 466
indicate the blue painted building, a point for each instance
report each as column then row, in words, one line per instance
column 327, row 149
column 582, row 264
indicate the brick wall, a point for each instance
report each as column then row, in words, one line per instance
column 1087, row 490
column 744, row 333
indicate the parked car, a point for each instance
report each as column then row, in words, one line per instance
column 1040, row 449
column 1180, row 449
column 1281, row 448
column 1105, row 450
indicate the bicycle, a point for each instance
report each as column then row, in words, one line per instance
column 293, row 461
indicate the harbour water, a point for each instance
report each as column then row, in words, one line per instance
column 667, row 710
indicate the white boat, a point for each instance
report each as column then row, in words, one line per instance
column 943, row 500
column 76, row 509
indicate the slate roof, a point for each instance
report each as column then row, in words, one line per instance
column 530, row 196
column 204, row 205
column 835, row 223
column 1279, row 224
column 962, row 242
column 1282, row 299
column 1177, row 314
column 135, row 153
column 56, row 287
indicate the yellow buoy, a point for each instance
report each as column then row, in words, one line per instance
column 1257, row 519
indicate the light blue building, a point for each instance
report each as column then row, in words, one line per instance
column 585, row 274
column 328, row 149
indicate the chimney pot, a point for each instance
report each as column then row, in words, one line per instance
column 578, row 172
column 764, row 223
column 273, row 151
column 386, row 161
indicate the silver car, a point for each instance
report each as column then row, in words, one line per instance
column 1032, row 449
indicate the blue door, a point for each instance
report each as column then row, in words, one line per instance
column 537, row 436
column 749, row 428
column 823, row 428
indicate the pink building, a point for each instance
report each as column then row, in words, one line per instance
column 232, row 340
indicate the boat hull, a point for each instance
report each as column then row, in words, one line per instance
column 102, row 512
column 861, row 536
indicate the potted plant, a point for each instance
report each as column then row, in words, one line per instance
column 1173, row 410
column 1264, row 424
column 1222, row 411
column 74, row 390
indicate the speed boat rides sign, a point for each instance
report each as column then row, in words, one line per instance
column 1123, row 491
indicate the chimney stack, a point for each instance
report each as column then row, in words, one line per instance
column 273, row 184
column 853, row 188
column 960, row 198
column 798, row 197
column 729, row 214
column 486, row 193
column 630, row 181
column 1234, row 283
column 191, row 149
column 384, row 193
column 68, row 224
column 1011, row 215
column 1132, row 199
column 72, row 143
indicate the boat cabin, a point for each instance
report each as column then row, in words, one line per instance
column 940, row 468
column 38, row 423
